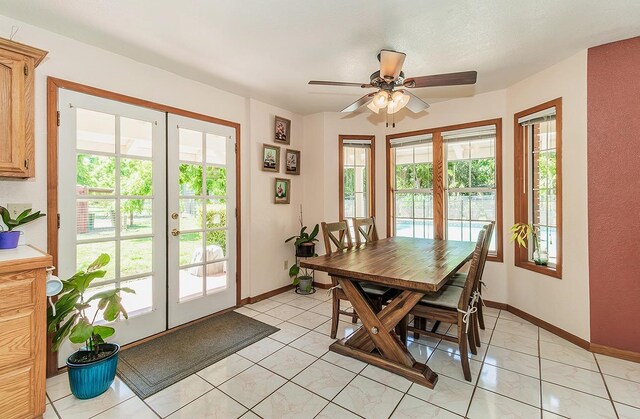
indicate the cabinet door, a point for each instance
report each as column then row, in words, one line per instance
column 13, row 77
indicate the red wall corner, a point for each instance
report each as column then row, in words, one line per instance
column 613, row 113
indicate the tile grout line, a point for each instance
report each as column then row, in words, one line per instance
column 606, row 386
column 475, row 387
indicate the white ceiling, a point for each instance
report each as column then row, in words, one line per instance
column 270, row 49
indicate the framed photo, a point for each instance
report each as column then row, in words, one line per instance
column 292, row 162
column 282, row 130
column 270, row 158
column 282, row 191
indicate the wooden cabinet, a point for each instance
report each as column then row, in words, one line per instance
column 23, row 332
column 17, row 68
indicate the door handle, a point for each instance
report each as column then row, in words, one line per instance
column 175, row 232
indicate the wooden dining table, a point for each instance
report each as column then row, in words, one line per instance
column 413, row 266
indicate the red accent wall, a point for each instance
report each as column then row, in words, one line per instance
column 613, row 91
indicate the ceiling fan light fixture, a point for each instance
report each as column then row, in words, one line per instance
column 381, row 99
column 372, row 106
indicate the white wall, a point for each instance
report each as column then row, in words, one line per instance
column 564, row 303
column 82, row 63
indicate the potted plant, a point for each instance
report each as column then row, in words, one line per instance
column 305, row 242
column 523, row 230
column 91, row 369
column 9, row 237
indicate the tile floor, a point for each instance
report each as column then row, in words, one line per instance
column 520, row 372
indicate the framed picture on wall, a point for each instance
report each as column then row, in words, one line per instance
column 270, row 158
column 292, row 162
column 282, row 130
column 282, row 191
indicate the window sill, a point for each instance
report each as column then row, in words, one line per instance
column 553, row 271
column 494, row 258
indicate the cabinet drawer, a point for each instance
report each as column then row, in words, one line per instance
column 16, row 395
column 17, row 290
column 17, row 338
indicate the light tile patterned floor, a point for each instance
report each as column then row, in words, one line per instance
column 519, row 372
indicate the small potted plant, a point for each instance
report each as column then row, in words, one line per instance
column 520, row 233
column 91, row 369
column 304, row 282
column 9, row 238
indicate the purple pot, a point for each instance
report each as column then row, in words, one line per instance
column 9, row 239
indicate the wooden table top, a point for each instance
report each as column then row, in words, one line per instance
column 399, row 262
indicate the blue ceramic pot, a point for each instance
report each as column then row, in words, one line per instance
column 9, row 239
column 93, row 379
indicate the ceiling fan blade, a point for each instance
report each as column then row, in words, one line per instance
column 447, row 79
column 337, row 83
column 355, row 105
column 391, row 63
column 415, row 104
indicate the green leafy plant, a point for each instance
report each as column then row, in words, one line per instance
column 302, row 239
column 520, row 232
column 71, row 320
column 25, row 217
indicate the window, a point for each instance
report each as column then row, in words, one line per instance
column 356, row 164
column 538, row 185
column 413, row 186
column 470, row 183
column 445, row 183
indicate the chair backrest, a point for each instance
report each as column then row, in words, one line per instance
column 472, row 275
column 365, row 228
column 341, row 241
column 487, row 243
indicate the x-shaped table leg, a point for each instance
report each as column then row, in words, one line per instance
column 377, row 333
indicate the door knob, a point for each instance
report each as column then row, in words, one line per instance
column 174, row 215
column 175, row 232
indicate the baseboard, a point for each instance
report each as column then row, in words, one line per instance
column 269, row 294
column 616, row 353
column 495, row 304
column 321, row 285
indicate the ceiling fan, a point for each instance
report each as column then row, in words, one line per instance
column 392, row 87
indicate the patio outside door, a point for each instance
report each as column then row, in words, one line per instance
column 112, row 199
column 202, row 218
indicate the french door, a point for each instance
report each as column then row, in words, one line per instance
column 202, row 224
column 158, row 198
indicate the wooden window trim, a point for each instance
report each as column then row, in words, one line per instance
column 521, row 194
column 439, row 180
column 371, row 174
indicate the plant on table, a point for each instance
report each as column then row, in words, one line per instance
column 520, row 233
column 71, row 320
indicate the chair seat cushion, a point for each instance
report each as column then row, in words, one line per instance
column 374, row 289
column 458, row 279
column 448, row 297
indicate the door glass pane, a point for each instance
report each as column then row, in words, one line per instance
column 95, row 131
column 136, row 256
column 191, row 248
column 86, row 253
column 190, row 179
column 136, row 216
column 95, row 175
column 140, row 302
column 216, row 146
column 216, row 213
column 190, row 144
column 135, row 137
column 136, row 177
column 95, row 218
column 216, row 181
column 216, row 245
column 191, row 214
column 191, row 280
column 216, row 276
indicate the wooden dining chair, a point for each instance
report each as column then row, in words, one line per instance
column 338, row 236
column 455, row 305
column 365, row 229
column 459, row 280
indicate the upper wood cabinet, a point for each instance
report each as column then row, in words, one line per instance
column 17, row 67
